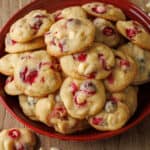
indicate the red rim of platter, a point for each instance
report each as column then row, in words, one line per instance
column 12, row 105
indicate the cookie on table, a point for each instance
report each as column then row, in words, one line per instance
column 96, row 63
column 36, row 74
column 113, row 116
column 12, row 46
column 105, row 11
column 10, row 87
column 17, row 139
column 123, row 74
column 63, row 122
column 106, row 32
column 69, row 36
column 31, row 26
column 8, row 63
column 142, row 58
column 135, row 32
column 69, row 12
column 27, row 105
column 43, row 107
column 82, row 98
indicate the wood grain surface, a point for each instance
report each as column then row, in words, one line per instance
column 137, row 138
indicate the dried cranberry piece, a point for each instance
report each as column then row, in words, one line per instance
column 58, row 16
column 91, row 75
column 97, row 121
column 40, row 16
column 59, row 112
column 13, row 42
column 61, row 46
column 88, row 87
column 54, row 65
column 14, row 133
column 81, row 57
column 103, row 62
column 131, row 32
column 28, row 76
column 42, row 79
column 113, row 99
column 9, row 79
column 37, row 22
column 53, row 42
column 23, row 73
column 125, row 63
column 110, row 79
column 108, row 31
column 74, row 88
column 99, row 9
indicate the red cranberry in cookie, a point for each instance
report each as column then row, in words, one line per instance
column 14, row 133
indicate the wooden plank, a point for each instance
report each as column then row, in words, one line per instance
column 134, row 139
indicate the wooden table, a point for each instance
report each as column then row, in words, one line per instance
column 136, row 138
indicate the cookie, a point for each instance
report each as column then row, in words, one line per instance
column 82, row 98
column 43, row 107
column 113, row 116
column 106, row 32
column 105, row 11
column 69, row 36
column 131, row 99
column 123, row 74
column 63, row 122
column 10, row 87
column 142, row 58
column 27, row 105
column 31, row 26
column 12, row 46
column 8, row 63
column 96, row 63
column 36, row 74
column 135, row 32
column 17, row 139
column 69, row 12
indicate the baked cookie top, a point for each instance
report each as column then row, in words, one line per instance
column 106, row 32
column 12, row 46
column 36, row 74
column 113, row 116
column 123, row 74
column 62, row 121
column 8, row 63
column 82, row 98
column 135, row 32
column 27, row 104
column 44, row 107
column 69, row 12
column 69, row 36
column 105, row 11
column 10, row 87
column 95, row 63
column 31, row 26
column 142, row 59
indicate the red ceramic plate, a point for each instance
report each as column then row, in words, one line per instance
column 11, row 103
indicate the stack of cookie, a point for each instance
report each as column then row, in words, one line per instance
column 77, row 67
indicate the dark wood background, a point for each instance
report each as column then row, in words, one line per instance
column 137, row 138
